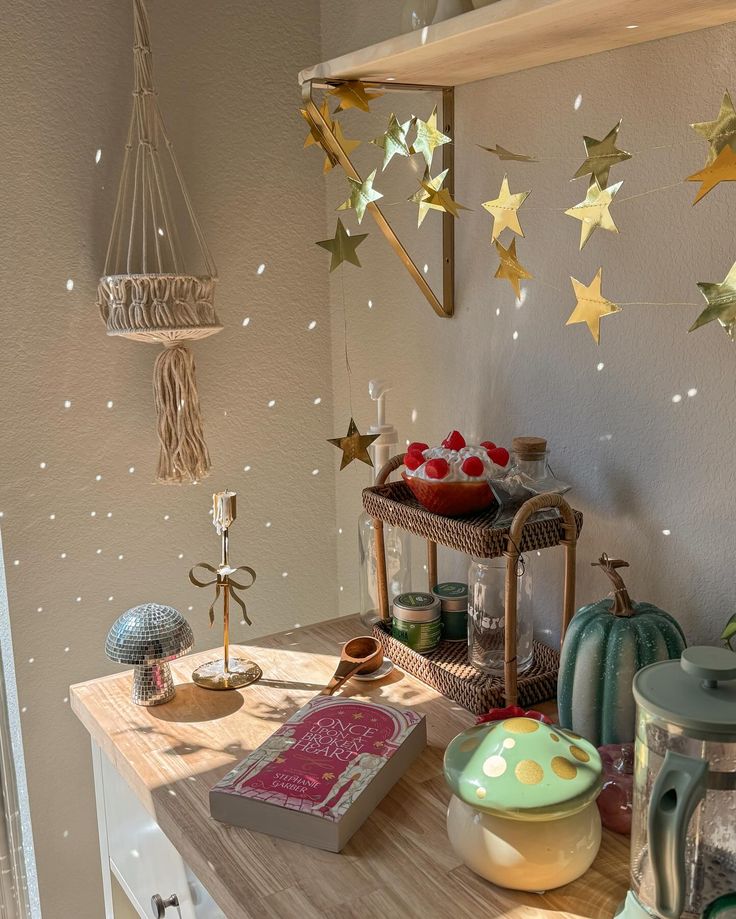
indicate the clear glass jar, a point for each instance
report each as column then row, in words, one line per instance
column 398, row 566
column 486, row 617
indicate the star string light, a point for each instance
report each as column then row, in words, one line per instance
column 600, row 155
column 593, row 211
column 342, row 246
column 393, row 140
column 361, row 195
column 722, row 169
column 509, row 268
column 422, row 196
column 354, row 446
column 504, row 209
column 503, row 154
column 428, row 137
column 591, row 305
column 353, row 94
column 721, row 132
column 721, row 300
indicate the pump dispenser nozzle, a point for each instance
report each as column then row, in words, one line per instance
column 388, row 438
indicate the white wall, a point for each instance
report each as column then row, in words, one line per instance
column 227, row 78
column 641, row 464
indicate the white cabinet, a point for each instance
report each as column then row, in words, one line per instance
column 134, row 848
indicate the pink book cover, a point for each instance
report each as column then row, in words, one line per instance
column 323, row 758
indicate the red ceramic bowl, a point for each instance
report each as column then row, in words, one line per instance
column 450, row 499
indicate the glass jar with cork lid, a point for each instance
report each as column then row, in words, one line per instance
column 531, row 466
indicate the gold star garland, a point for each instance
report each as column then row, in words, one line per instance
column 354, row 446
column 591, row 305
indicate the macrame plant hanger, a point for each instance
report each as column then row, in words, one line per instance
column 147, row 292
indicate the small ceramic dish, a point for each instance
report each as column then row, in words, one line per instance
column 384, row 670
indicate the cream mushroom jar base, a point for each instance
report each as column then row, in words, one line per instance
column 521, row 855
column 523, row 812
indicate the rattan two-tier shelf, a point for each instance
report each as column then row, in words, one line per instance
column 447, row 668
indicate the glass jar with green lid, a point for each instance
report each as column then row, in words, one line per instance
column 453, row 597
column 416, row 621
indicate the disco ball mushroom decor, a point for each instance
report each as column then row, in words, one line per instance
column 147, row 637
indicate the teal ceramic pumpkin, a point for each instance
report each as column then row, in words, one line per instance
column 605, row 644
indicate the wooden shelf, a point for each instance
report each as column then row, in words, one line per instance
column 512, row 35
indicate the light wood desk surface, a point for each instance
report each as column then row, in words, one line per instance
column 398, row 864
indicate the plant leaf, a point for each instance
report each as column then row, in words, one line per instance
column 729, row 631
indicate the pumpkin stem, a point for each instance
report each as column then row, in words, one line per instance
column 622, row 605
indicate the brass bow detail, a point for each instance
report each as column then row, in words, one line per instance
column 223, row 581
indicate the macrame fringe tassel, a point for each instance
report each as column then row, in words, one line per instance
column 183, row 456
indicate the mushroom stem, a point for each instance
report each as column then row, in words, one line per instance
column 622, row 605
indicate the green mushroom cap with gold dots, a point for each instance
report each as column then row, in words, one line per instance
column 523, row 769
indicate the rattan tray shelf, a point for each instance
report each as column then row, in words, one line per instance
column 447, row 670
column 474, row 535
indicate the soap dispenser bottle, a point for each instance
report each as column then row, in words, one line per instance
column 397, row 541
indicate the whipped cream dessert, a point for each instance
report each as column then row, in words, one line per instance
column 455, row 461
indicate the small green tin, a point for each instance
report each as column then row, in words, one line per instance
column 453, row 597
column 417, row 621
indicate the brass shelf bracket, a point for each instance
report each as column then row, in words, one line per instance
column 337, row 155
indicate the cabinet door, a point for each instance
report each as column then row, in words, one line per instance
column 142, row 858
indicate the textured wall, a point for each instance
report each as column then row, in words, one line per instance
column 641, row 462
column 227, row 79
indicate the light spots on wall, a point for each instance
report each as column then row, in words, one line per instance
column 160, row 231
column 16, row 562
column 312, row 325
column 498, row 310
column 43, row 465
column 414, row 416
column 246, row 468
column 78, row 599
column 98, row 156
column 317, row 400
column 425, row 269
column 515, row 336
column 131, row 470
column 98, row 551
column 268, row 524
column 120, row 558
column 167, row 516
column 284, row 574
column 677, row 398
column 70, row 284
column 261, row 268
column 62, row 555
column 578, row 102
column 315, row 472
column 110, row 403
column 521, row 299
column 271, row 403
column 370, row 304
column 599, row 366
column 180, row 555
column 246, row 322
column 666, row 532
column 692, row 392
column 51, row 516
column 67, row 403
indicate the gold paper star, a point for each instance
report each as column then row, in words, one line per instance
column 593, row 212
column 721, row 300
column 421, row 197
column 342, row 246
column 353, row 94
column 504, row 208
column 503, row 154
column 361, row 195
column 428, row 138
column 509, row 268
column 440, row 199
column 721, row 132
column 354, row 446
column 393, row 140
column 591, row 305
column 722, row 169
column 314, row 136
column 601, row 155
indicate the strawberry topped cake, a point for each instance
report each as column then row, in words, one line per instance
column 452, row 479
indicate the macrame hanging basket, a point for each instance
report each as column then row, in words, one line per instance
column 149, row 291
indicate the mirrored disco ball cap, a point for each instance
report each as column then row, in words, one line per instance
column 146, row 637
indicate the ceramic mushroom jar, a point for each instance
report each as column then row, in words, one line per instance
column 523, row 812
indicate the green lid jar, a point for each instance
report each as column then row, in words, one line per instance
column 453, row 597
column 416, row 621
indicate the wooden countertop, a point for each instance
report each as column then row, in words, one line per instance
column 399, row 863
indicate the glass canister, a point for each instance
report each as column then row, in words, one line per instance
column 683, row 839
column 487, row 619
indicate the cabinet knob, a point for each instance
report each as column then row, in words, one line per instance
column 159, row 905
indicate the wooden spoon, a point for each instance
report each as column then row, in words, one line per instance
column 359, row 655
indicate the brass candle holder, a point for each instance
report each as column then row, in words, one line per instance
column 227, row 672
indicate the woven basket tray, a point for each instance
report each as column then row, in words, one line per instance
column 447, row 670
column 474, row 535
